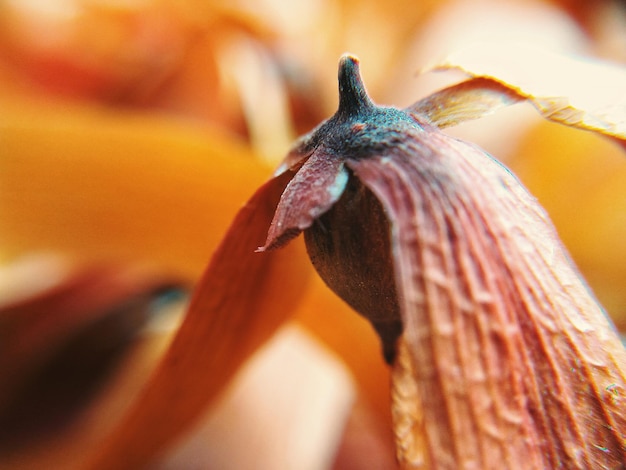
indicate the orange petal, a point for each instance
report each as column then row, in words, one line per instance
column 241, row 300
column 99, row 184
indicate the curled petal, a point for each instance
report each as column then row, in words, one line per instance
column 468, row 100
column 579, row 93
column 315, row 188
column 514, row 363
column 242, row 298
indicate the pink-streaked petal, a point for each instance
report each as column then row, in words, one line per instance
column 312, row 191
column 506, row 360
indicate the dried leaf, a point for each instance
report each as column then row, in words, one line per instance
column 577, row 92
column 240, row 301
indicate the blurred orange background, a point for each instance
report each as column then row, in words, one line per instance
column 131, row 131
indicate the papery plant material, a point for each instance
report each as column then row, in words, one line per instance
column 34, row 325
column 501, row 356
column 580, row 180
column 587, row 94
column 134, row 53
column 239, row 303
column 471, row 99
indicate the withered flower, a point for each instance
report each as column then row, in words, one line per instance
column 501, row 356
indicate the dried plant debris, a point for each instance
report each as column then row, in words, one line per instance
column 238, row 304
column 575, row 91
column 501, row 356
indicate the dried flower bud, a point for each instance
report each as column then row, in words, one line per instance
column 501, row 356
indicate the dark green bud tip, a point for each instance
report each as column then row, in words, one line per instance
column 353, row 98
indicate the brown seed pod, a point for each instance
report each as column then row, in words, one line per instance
column 501, row 356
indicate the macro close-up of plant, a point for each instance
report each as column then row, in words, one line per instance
column 215, row 255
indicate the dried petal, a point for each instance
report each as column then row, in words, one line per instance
column 465, row 101
column 511, row 356
column 579, row 93
column 581, row 182
column 241, row 300
column 504, row 359
column 314, row 189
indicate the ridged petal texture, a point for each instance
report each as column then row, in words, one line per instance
column 501, row 356
column 506, row 360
